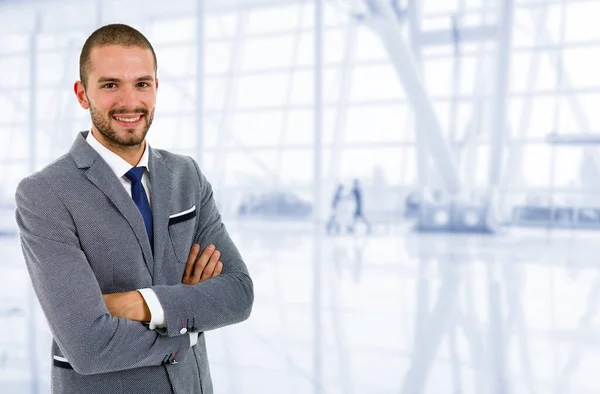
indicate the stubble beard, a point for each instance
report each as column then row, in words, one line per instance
column 129, row 141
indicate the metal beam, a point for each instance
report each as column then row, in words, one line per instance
column 318, row 228
column 343, row 102
column 288, row 98
column 230, row 100
column 423, row 160
column 465, row 34
column 406, row 67
column 32, row 303
column 574, row 139
column 500, row 105
column 513, row 175
column 199, row 99
column 18, row 17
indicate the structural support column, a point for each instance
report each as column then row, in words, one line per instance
column 32, row 305
column 318, row 221
column 414, row 18
column 498, row 126
column 199, row 108
column 382, row 20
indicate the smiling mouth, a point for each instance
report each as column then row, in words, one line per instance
column 128, row 120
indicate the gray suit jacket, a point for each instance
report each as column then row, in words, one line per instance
column 83, row 236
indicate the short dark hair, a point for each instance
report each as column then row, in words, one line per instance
column 113, row 34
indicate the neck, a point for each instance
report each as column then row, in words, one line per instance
column 132, row 154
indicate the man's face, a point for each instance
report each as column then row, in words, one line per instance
column 120, row 94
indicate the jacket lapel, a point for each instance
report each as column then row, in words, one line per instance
column 100, row 174
column 161, row 184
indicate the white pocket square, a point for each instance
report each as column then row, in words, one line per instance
column 176, row 215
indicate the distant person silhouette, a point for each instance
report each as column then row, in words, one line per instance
column 333, row 222
column 356, row 193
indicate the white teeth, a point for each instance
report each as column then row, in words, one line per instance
column 128, row 120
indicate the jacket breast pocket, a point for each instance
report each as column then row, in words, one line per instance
column 182, row 227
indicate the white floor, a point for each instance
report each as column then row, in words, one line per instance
column 395, row 312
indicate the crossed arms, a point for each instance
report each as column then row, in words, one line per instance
column 82, row 321
column 131, row 305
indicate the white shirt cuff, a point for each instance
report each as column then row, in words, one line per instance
column 157, row 313
column 193, row 338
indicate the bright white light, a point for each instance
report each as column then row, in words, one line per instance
column 441, row 218
column 471, row 219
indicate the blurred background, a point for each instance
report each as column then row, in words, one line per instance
column 413, row 183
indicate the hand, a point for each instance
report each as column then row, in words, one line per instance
column 199, row 269
column 128, row 305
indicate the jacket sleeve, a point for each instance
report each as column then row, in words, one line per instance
column 220, row 301
column 90, row 338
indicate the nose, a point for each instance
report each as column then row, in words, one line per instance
column 127, row 98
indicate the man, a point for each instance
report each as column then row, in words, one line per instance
column 358, row 208
column 333, row 222
column 111, row 234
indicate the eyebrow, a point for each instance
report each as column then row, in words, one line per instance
column 144, row 78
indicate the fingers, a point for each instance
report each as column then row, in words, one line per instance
column 201, row 263
column 200, row 267
column 189, row 265
column 218, row 269
column 210, row 267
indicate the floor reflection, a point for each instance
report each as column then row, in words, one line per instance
column 401, row 313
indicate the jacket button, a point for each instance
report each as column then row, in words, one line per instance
column 183, row 331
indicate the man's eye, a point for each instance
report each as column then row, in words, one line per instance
column 144, row 84
column 109, row 85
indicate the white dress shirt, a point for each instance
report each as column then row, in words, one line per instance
column 120, row 167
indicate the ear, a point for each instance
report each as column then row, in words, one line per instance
column 80, row 94
column 156, row 83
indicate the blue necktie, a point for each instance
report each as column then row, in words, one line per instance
column 140, row 198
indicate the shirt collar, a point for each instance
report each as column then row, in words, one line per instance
column 114, row 161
